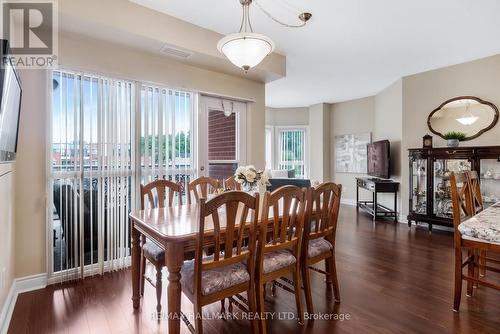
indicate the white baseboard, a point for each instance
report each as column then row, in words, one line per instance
column 19, row 285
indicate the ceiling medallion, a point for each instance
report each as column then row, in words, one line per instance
column 246, row 49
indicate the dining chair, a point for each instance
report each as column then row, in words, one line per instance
column 278, row 250
column 230, row 270
column 160, row 194
column 231, row 184
column 476, row 196
column 318, row 242
column 201, row 188
column 461, row 194
column 477, row 206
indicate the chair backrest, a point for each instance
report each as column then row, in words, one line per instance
column 228, row 230
column 162, row 188
column 324, row 202
column 461, row 198
column 284, row 226
column 201, row 187
column 476, row 196
column 230, row 183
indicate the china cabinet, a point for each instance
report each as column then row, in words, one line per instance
column 429, row 170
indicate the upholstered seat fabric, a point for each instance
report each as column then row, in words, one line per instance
column 277, row 260
column 318, row 246
column 151, row 250
column 214, row 280
column 484, row 226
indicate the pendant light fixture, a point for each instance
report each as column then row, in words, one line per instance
column 246, row 49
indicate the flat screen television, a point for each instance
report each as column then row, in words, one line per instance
column 379, row 159
column 10, row 105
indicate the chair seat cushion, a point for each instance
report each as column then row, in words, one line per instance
column 277, row 260
column 484, row 226
column 318, row 246
column 152, row 251
column 214, row 280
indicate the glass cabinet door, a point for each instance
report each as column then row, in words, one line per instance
column 419, row 186
column 490, row 181
column 443, row 206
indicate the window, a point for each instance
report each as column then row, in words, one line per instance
column 103, row 146
column 166, row 135
column 91, row 167
column 291, row 150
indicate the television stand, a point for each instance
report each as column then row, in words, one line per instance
column 376, row 186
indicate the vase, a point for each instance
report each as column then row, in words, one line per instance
column 453, row 142
column 250, row 188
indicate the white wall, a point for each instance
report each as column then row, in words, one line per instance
column 7, row 236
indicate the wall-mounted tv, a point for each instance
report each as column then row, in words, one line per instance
column 379, row 159
column 10, row 104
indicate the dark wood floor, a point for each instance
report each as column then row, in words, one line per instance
column 392, row 280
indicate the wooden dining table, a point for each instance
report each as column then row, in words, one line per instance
column 174, row 229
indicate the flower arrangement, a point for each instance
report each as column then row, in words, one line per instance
column 249, row 177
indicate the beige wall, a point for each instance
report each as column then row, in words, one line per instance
column 356, row 116
column 423, row 92
column 287, row 116
column 7, row 249
column 319, row 132
column 30, row 180
column 76, row 52
column 388, row 125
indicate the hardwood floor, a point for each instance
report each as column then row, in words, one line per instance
column 392, row 280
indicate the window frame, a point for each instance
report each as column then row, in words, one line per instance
column 276, row 153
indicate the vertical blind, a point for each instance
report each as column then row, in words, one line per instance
column 91, row 173
column 107, row 136
column 291, row 150
column 166, row 135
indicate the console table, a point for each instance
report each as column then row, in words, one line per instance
column 376, row 186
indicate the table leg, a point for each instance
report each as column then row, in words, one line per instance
column 174, row 258
column 136, row 262
column 375, row 205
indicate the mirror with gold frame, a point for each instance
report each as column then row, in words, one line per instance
column 467, row 114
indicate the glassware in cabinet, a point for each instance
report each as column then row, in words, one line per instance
column 419, row 186
column 443, row 206
column 490, row 181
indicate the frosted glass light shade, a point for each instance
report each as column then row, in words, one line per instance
column 245, row 50
column 468, row 120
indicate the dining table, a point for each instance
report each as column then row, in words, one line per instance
column 174, row 229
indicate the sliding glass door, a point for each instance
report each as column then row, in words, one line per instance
column 108, row 136
column 166, row 135
column 90, row 173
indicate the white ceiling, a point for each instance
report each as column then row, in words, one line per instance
column 355, row 48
